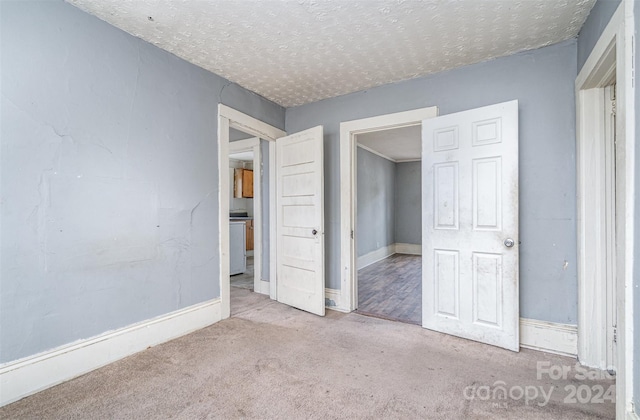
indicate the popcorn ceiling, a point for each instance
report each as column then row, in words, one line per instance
column 296, row 52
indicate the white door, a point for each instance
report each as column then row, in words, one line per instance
column 470, row 224
column 300, row 220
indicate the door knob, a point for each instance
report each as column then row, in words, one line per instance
column 314, row 232
column 509, row 242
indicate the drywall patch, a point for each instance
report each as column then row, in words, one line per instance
column 93, row 222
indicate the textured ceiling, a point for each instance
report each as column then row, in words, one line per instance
column 397, row 144
column 299, row 51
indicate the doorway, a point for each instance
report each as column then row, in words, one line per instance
column 295, row 208
column 347, row 298
column 388, row 224
column 246, row 212
column 244, row 126
column 605, row 206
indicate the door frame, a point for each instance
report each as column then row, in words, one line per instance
column 611, row 57
column 231, row 118
column 348, row 300
column 253, row 145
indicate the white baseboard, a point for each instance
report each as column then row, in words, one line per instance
column 333, row 299
column 549, row 336
column 375, row 256
column 24, row 377
column 410, row 249
column 264, row 287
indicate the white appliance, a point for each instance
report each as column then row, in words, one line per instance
column 237, row 247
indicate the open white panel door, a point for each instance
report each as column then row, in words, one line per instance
column 470, row 224
column 300, row 220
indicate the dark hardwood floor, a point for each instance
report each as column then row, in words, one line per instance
column 392, row 289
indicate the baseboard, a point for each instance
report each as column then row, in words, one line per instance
column 550, row 337
column 27, row 376
column 410, row 249
column 333, row 300
column 375, row 256
column 264, row 287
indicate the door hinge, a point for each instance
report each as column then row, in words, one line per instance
column 352, row 234
column 615, row 334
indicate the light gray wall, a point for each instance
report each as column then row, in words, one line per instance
column 408, row 226
column 375, row 202
column 108, row 175
column 598, row 19
column 542, row 80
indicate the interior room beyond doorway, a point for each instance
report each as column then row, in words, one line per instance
column 388, row 221
column 245, row 208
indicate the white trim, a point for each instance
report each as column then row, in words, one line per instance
column 253, row 144
column 272, row 222
column 244, row 145
column 27, row 376
column 375, row 152
column 628, row 114
column 376, row 255
column 382, row 155
column 223, row 211
column 249, row 125
column 410, row 249
column 387, row 251
column 348, row 130
column 597, row 67
column 262, row 287
column 333, row 299
column 231, row 118
column 615, row 41
column 550, row 337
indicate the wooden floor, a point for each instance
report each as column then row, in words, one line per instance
column 392, row 289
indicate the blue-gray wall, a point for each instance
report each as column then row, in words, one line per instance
column 408, row 228
column 598, row 19
column 388, row 202
column 108, row 177
column 375, row 202
column 542, row 80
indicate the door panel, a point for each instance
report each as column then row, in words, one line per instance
column 300, row 220
column 470, row 202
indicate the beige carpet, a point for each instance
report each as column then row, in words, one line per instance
column 272, row 361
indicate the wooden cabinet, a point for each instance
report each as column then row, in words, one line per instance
column 243, row 183
column 249, row 235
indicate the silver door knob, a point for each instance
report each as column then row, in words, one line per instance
column 509, row 242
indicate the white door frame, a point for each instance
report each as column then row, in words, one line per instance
column 253, row 145
column 348, row 131
column 611, row 57
column 231, row 118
